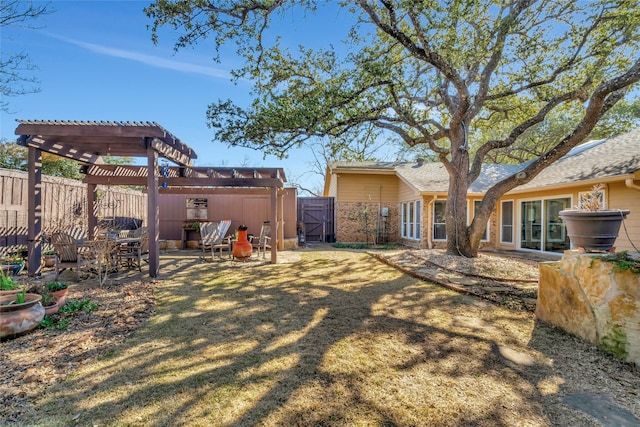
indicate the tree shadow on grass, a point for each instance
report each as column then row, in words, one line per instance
column 334, row 339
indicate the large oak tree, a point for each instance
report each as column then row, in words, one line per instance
column 425, row 72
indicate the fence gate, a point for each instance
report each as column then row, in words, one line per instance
column 317, row 214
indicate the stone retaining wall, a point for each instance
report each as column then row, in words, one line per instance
column 594, row 300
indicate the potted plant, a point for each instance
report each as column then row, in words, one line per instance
column 58, row 290
column 49, row 257
column 12, row 264
column 20, row 313
column 8, row 286
column 50, row 302
column 590, row 226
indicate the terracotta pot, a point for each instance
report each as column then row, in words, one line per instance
column 18, row 318
column 53, row 308
column 49, row 260
column 242, row 249
column 61, row 295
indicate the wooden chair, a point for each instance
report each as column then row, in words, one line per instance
column 214, row 236
column 206, row 232
column 137, row 252
column 263, row 241
column 91, row 257
column 138, row 232
column 66, row 248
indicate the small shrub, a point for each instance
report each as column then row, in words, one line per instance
column 56, row 286
column 75, row 306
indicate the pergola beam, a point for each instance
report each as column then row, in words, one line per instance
column 186, row 182
column 53, row 147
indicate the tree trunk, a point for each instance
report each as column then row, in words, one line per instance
column 458, row 232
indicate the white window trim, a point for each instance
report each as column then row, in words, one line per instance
column 409, row 226
column 513, row 222
column 433, row 225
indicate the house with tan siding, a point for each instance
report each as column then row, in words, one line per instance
column 403, row 202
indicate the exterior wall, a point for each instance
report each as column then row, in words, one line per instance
column 368, row 188
column 359, row 201
column 618, row 196
column 333, row 186
column 357, row 222
column 406, row 193
column 248, row 209
column 623, row 197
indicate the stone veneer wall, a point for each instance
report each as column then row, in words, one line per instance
column 350, row 224
column 591, row 299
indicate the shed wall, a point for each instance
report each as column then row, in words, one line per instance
column 242, row 209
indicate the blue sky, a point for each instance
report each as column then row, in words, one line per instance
column 96, row 61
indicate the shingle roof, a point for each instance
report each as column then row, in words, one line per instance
column 589, row 161
column 593, row 160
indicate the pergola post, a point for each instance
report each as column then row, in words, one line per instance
column 281, row 220
column 153, row 211
column 34, row 208
column 92, row 220
column 274, row 229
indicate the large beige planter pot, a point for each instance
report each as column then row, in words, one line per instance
column 16, row 319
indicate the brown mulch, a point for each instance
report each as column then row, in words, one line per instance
column 505, row 280
column 33, row 361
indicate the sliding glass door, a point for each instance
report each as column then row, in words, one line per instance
column 541, row 227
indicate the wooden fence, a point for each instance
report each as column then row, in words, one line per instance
column 64, row 207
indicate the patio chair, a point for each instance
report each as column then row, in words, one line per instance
column 66, row 248
column 263, row 241
column 214, row 236
column 137, row 252
column 138, row 232
column 91, row 257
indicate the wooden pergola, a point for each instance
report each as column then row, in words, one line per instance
column 88, row 142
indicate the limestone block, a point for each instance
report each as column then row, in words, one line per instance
column 168, row 245
column 290, row 244
column 594, row 300
column 562, row 303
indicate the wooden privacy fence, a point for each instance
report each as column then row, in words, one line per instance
column 64, row 207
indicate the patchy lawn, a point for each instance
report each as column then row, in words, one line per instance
column 338, row 338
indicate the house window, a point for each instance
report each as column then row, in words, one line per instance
column 439, row 220
column 586, row 195
column 411, row 220
column 476, row 206
column 506, row 222
column 418, row 221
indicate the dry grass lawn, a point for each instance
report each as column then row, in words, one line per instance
column 336, row 339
